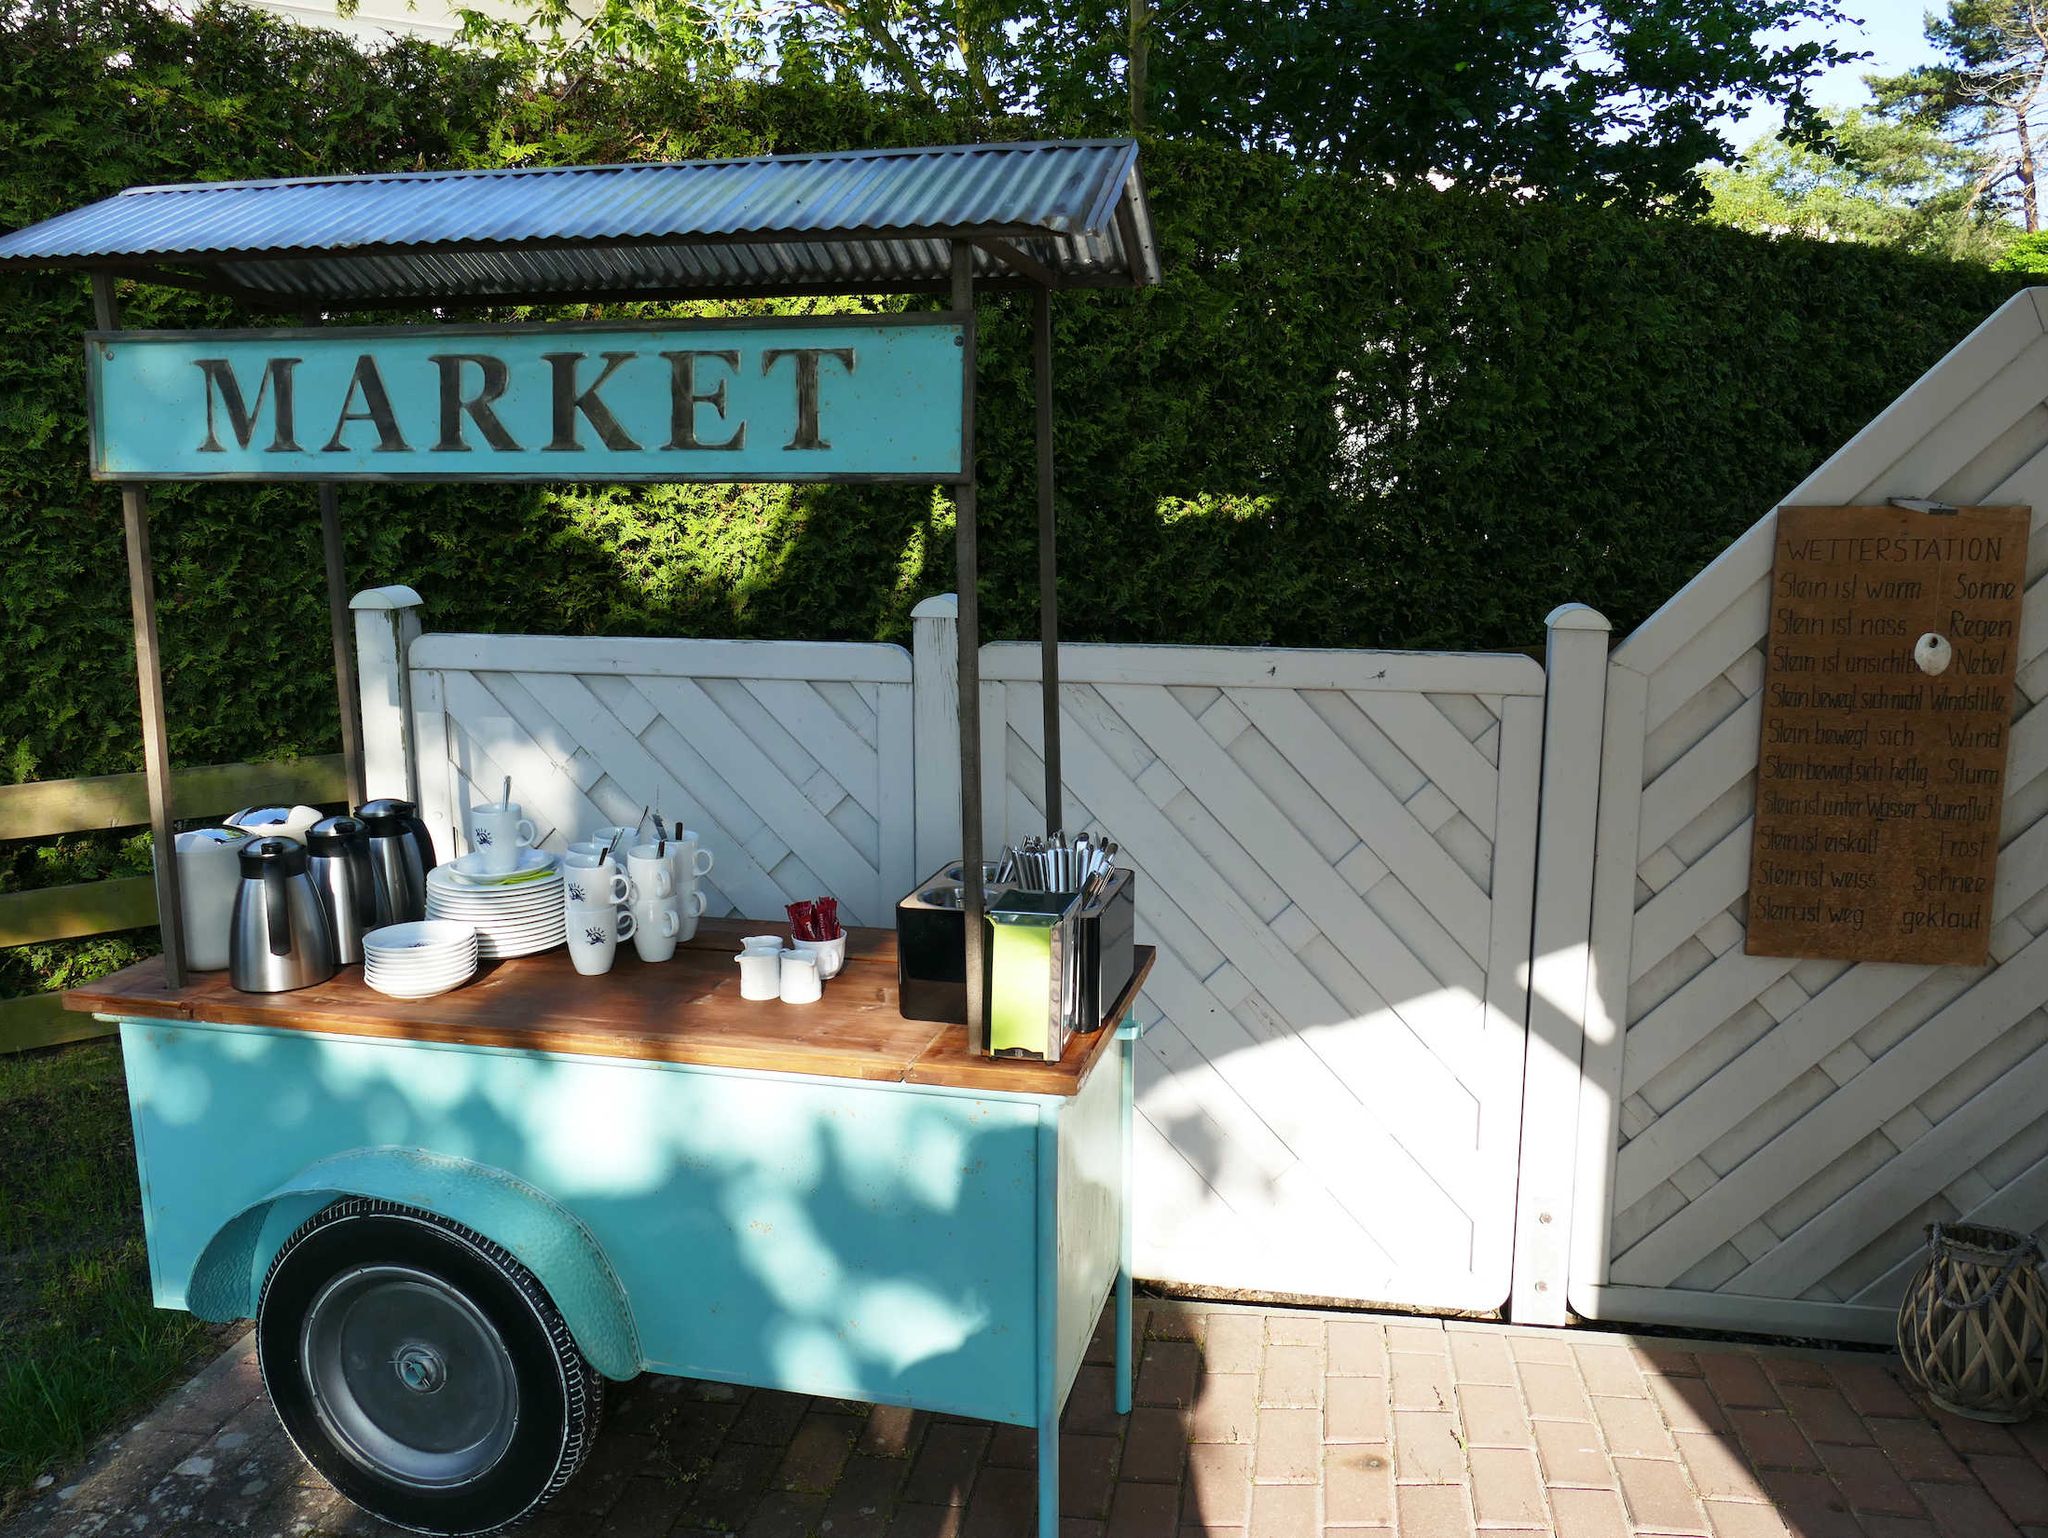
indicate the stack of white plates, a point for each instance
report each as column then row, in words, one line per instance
column 515, row 918
column 419, row 960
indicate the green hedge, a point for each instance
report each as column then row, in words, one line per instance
column 1350, row 416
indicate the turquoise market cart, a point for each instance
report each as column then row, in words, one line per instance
column 453, row 1220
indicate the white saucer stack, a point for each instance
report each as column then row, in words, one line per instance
column 419, row 960
column 511, row 917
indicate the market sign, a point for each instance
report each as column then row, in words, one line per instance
column 801, row 399
column 1886, row 720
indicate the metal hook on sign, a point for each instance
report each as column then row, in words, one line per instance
column 1924, row 505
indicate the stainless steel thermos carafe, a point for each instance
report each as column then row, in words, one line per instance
column 401, row 854
column 338, row 860
column 278, row 938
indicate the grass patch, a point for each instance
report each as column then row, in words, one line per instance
column 81, row 1346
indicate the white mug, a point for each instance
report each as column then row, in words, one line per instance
column 588, row 877
column 624, row 836
column 691, row 861
column 690, row 904
column 830, row 954
column 497, row 833
column 655, row 927
column 594, row 934
column 652, row 873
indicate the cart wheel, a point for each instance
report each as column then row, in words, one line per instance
column 422, row 1370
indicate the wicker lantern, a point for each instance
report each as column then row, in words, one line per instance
column 1973, row 1326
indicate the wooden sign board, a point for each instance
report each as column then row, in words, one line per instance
column 1880, row 784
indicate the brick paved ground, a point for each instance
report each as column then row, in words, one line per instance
column 1264, row 1423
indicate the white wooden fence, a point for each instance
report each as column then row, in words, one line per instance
column 1761, row 1140
column 1452, row 1008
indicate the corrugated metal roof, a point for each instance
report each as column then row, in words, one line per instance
column 854, row 221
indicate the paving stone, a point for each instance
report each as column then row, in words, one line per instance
column 1217, row 1487
column 1291, row 1327
column 1480, row 1358
column 1155, row 1446
column 1433, row 1511
column 1226, row 1410
column 1013, row 1447
column 1102, row 1344
column 1171, row 1321
column 1292, row 1377
column 1357, row 1348
column 1570, row 1453
column 1284, row 1511
column 1423, row 1337
column 1545, row 1346
column 864, row 1500
column 1505, row 1486
column 1074, row 1527
column 1610, row 1371
column 1632, row 1427
column 926, row 1522
column 1091, row 1404
column 1588, row 1514
column 784, row 1514
column 2017, row 1484
column 1919, row 1451
column 1087, row 1475
column 1742, row 1519
column 1657, row 1495
column 1738, row 1380
column 1872, row 1387
column 1823, row 1414
column 1233, row 1343
column 1718, row 1469
column 1169, row 1372
column 1965, row 1511
column 943, row 1472
column 1869, row 1481
column 1773, row 1440
column 1666, row 1360
column 1358, row 1487
column 1289, row 1447
column 1810, row 1504
column 1140, row 1511
column 726, row 1494
column 1355, row 1410
column 1968, row 1436
column 1553, row 1392
column 1426, row 1448
column 1808, row 1372
column 817, row 1452
column 1899, row 1527
column 770, row 1418
column 892, row 1431
column 1688, row 1404
column 1421, row 1382
column 1492, row 1416
column 1005, row 1504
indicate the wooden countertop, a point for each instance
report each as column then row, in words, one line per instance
column 686, row 1010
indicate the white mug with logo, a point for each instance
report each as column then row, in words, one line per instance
column 589, row 876
column 594, row 933
column 497, row 833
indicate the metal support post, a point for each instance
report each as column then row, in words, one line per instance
column 1048, row 558
column 968, row 580
column 149, row 683
column 341, row 624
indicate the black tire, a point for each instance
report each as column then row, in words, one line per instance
column 369, row 1313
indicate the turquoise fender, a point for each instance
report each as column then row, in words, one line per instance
column 547, row 1238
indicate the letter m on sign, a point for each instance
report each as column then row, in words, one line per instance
column 224, row 397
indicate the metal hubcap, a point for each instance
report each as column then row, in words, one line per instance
column 408, row 1376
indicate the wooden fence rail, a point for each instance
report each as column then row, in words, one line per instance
column 50, row 808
